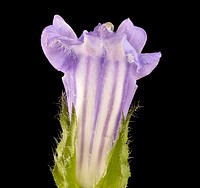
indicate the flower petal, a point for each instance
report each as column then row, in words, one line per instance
column 63, row 28
column 148, row 62
column 136, row 36
column 57, row 41
column 101, row 88
column 57, row 52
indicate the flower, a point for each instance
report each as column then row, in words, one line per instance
column 100, row 69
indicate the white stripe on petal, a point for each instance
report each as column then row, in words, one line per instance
column 116, row 112
column 89, row 116
column 80, row 82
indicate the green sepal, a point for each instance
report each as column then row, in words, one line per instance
column 64, row 169
column 118, row 169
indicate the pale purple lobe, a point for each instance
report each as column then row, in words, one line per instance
column 63, row 28
column 136, row 36
column 56, row 41
column 148, row 61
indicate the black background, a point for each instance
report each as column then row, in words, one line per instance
column 159, row 138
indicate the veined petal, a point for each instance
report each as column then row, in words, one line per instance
column 102, row 88
column 136, row 36
column 147, row 62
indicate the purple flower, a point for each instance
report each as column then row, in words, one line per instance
column 100, row 69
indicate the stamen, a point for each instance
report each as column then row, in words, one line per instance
column 109, row 26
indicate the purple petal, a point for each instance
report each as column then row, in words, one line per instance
column 104, row 85
column 136, row 36
column 57, row 52
column 57, row 41
column 63, row 28
column 148, row 62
